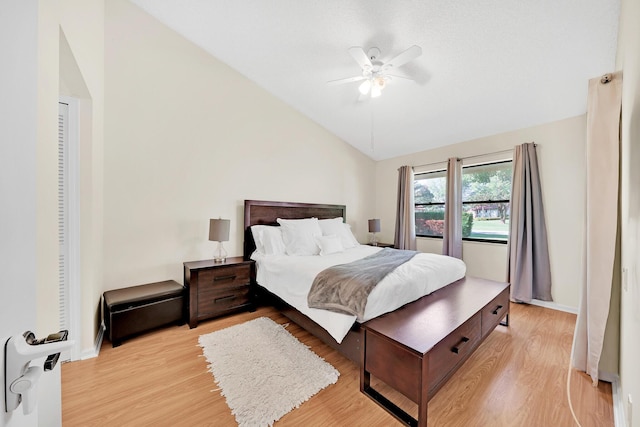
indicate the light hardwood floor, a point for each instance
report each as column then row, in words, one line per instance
column 517, row 377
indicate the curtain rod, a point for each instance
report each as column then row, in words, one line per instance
column 470, row 157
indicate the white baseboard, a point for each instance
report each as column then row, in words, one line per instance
column 94, row 352
column 619, row 419
column 554, row 306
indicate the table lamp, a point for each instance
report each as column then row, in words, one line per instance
column 374, row 227
column 219, row 232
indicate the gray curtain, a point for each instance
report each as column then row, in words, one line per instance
column 452, row 236
column 405, row 237
column 528, row 268
column 603, row 163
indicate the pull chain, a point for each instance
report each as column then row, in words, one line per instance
column 373, row 148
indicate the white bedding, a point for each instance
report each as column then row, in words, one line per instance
column 290, row 277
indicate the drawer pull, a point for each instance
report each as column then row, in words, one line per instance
column 227, row 298
column 456, row 349
column 496, row 310
column 221, row 278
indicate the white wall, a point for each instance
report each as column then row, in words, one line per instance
column 561, row 156
column 628, row 60
column 188, row 139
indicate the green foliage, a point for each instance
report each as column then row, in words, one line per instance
column 429, row 215
column 485, row 185
column 421, row 193
column 429, row 190
column 467, row 223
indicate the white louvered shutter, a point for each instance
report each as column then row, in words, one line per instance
column 63, row 214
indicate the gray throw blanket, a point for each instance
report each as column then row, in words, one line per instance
column 345, row 288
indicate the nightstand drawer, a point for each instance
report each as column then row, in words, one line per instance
column 224, row 277
column 214, row 301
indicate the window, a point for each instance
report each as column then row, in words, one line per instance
column 429, row 196
column 486, row 191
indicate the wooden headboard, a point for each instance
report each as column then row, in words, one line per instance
column 261, row 212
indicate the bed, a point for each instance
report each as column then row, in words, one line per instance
column 415, row 348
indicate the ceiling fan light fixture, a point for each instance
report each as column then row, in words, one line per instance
column 380, row 82
column 375, row 91
column 364, row 87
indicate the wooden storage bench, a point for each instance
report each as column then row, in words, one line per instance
column 130, row 311
column 417, row 350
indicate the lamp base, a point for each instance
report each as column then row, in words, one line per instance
column 220, row 254
column 374, row 240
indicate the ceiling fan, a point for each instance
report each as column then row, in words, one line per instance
column 375, row 73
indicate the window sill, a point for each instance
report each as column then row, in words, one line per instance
column 483, row 241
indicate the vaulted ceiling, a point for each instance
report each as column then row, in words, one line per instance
column 486, row 67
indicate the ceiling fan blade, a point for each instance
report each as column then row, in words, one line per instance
column 399, row 76
column 347, row 80
column 361, row 58
column 412, row 53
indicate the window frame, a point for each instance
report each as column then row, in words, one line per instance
column 485, row 240
column 463, row 203
column 436, row 171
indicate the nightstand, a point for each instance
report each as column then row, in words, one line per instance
column 382, row 245
column 215, row 289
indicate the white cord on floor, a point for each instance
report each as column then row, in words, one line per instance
column 575, row 418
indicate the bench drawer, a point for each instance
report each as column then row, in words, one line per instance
column 452, row 351
column 494, row 312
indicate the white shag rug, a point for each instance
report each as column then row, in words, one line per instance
column 263, row 371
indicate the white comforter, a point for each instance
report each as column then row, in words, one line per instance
column 290, row 277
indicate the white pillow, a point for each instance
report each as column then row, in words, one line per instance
column 329, row 244
column 348, row 236
column 335, row 226
column 272, row 241
column 299, row 235
column 331, row 226
column 268, row 239
column 255, row 231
